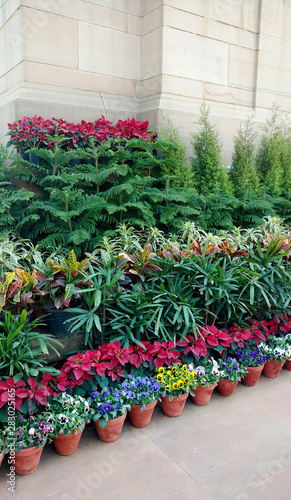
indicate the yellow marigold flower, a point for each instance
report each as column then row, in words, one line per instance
column 167, row 387
column 179, row 373
column 160, row 377
column 175, row 385
column 186, row 380
column 180, row 384
column 161, row 369
column 174, row 369
column 169, row 373
column 184, row 368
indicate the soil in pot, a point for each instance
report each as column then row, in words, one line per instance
column 141, row 418
column 202, row 395
column 225, row 387
column 66, row 445
column 252, row 376
column 174, row 407
column 271, row 369
column 112, row 429
column 27, row 460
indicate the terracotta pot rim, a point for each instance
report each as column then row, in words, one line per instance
column 210, row 386
column 24, row 450
column 174, row 398
column 62, row 436
column 254, row 367
column 148, row 405
column 227, row 380
column 112, row 419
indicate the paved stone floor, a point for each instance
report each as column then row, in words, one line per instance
column 235, row 448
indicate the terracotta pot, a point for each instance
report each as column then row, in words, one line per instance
column 112, row 429
column 2, row 456
column 271, row 369
column 251, row 378
column 26, row 460
column 66, row 445
column 141, row 418
column 287, row 364
column 175, row 407
column 225, row 387
column 203, row 395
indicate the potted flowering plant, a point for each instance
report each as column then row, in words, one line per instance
column 230, row 374
column 68, row 416
column 253, row 359
column 287, row 364
column 207, row 376
column 275, row 352
column 143, row 393
column 177, row 382
column 2, row 445
column 109, row 408
column 25, row 441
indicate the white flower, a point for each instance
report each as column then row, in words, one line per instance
column 63, row 418
column 32, row 431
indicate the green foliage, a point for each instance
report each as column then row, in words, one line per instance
column 243, row 171
column 207, row 153
column 170, row 133
column 269, row 155
column 22, row 348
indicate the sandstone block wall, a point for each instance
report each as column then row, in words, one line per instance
column 82, row 58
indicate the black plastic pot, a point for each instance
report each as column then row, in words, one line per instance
column 74, row 163
column 23, row 155
column 33, row 158
column 56, row 321
column 17, row 316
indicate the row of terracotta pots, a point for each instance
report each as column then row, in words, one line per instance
column 27, row 460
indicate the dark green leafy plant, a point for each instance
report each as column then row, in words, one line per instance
column 22, row 348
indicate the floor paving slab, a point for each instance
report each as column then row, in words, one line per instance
column 234, row 448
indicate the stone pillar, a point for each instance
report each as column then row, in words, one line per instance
column 78, row 59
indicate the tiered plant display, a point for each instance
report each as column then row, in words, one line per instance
column 165, row 307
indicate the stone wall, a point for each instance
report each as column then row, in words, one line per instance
column 82, row 58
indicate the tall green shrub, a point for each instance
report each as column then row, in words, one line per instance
column 286, row 154
column 269, row 155
column 207, row 153
column 170, row 133
column 243, row 170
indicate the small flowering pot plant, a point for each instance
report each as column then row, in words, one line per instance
column 251, row 356
column 28, row 431
column 207, row 373
column 230, row 369
column 274, row 349
column 176, row 380
column 288, row 346
column 142, row 390
column 2, row 440
column 67, row 414
column 110, row 403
